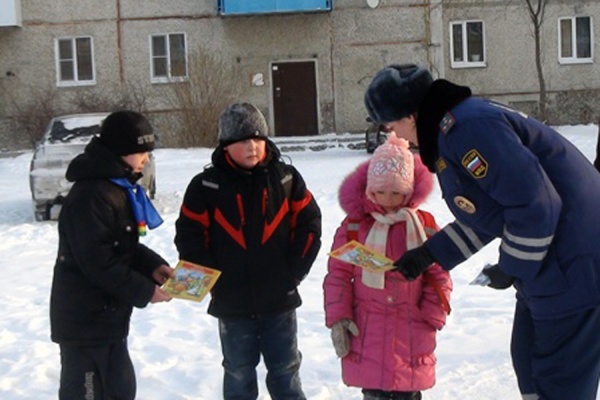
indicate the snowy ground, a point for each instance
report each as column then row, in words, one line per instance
column 175, row 346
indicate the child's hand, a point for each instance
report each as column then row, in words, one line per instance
column 340, row 336
column 159, row 295
column 162, row 273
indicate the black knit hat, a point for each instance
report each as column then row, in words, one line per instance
column 241, row 121
column 127, row 132
column 396, row 92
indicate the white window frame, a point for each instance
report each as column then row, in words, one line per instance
column 575, row 59
column 76, row 81
column 169, row 77
column 468, row 62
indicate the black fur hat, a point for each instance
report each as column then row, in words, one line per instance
column 241, row 121
column 396, row 92
column 127, row 132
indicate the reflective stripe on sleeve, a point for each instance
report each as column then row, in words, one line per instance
column 529, row 249
column 531, row 242
column 470, row 233
column 523, row 255
column 458, row 242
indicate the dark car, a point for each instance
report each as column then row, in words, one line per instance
column 375, row 135
column 65, row 137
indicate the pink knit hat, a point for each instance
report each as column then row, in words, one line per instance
column 391, row 167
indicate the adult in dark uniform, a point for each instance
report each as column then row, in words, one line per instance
column 505, row 175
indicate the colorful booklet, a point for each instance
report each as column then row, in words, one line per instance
column 191, row 281
column 360, row 255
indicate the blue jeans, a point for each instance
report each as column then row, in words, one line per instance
column 243, row 340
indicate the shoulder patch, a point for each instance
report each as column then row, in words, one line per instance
column 475, row 164
column 447, row 123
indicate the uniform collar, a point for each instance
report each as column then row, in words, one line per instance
column 440, row 98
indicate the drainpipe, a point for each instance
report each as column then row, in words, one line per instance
column 332, row 73
column 120, row 43
column 433, row 19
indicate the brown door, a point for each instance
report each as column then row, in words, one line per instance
column 295, row 98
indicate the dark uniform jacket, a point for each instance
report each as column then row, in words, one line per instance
column 261, row 228
column 505, row 175
column 101, row 270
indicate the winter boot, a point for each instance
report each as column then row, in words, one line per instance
column 372, row 394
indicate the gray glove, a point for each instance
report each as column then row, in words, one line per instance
column 340, row 336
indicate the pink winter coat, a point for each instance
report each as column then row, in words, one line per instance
column 397, row 324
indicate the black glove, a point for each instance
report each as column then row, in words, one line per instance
column 414, row 262
column 498, row 279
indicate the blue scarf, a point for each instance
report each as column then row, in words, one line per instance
column 144, row 212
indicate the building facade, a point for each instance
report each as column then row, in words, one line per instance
column 305, row 63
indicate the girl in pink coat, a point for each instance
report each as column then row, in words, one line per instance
column 383, row 326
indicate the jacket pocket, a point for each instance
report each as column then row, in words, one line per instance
column 550, row 280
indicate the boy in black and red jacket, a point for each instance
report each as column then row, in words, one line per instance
column 251, row 216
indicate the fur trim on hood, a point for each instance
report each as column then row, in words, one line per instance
column 353, row 199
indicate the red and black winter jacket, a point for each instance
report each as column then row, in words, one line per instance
column 261, row 231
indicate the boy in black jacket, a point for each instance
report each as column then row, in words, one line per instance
column 250, row 216
column 102, row 271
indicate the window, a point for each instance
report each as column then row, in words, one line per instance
column 467, row 44
column 75, row 61
column 575, row 40
column 169, row 57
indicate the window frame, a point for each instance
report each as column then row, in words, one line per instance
column 465, row 49
column 574, row 59
column 76, row 81
column 169, row 78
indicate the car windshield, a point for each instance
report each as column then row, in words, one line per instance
column 67, row 129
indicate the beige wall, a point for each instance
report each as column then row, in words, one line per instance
column 348, row 45
column 510, row 75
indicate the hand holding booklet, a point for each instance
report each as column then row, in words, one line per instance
column 358, row 254
column 191, row 281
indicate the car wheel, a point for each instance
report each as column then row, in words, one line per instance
column 382, row 137
column 152, row 189
column 371, row 146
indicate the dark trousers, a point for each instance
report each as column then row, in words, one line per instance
column 557, row 359
column 96, row 372
column 244, row 340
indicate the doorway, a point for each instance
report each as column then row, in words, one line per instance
column 295, row 111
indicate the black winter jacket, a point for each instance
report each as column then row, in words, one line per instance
column 263, row 239
column 101, row 270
